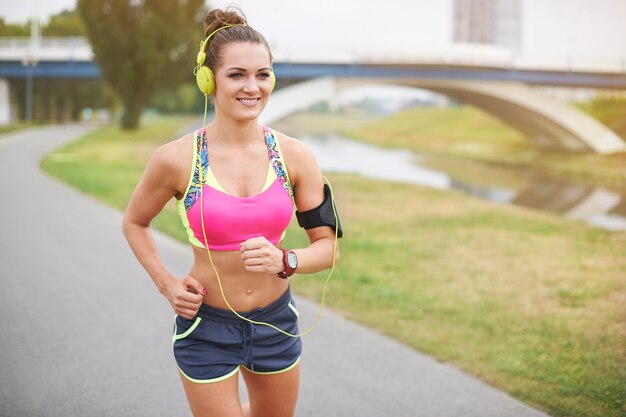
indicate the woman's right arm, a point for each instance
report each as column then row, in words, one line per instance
column 156, row 187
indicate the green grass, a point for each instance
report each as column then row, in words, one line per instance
column 108, row 163
column 611, row 111
column 462, row 131
column 530, row 303
column 14, row 127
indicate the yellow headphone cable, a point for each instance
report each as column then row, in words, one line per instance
column 219, row 281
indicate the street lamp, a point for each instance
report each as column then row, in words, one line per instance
column 29, row 62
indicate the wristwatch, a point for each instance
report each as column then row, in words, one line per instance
column 290, row 260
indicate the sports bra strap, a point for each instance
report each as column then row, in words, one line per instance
column 202, row 156
column 273, row 151
column 277, row 161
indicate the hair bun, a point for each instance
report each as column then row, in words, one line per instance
column 217, row 18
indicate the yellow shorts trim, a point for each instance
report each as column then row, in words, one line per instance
column 209, row 381
column 188, row 332
column 289, row 368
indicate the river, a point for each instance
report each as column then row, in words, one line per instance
column 598, row 206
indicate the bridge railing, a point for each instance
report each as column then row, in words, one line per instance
column 454, row 55
column 72, row 48
column 397, row 53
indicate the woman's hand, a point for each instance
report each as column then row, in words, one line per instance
column 260, row 255
column 185, row 296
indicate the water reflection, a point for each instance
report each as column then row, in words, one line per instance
column 338, row 154
column 595, row 205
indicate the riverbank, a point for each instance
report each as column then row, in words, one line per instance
column 463, row 134
column 528, row 302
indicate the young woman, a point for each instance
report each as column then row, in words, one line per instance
column 235, row 183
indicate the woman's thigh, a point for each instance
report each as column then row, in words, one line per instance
column 272, row 395
column 215, row 399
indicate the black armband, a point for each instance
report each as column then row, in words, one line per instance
column 323, row 215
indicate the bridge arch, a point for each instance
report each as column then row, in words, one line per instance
column 545, row 121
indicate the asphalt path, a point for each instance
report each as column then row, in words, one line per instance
column 84, row 332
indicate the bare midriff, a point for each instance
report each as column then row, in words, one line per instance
column 244, row 290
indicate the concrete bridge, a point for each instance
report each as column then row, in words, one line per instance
column 488, row 77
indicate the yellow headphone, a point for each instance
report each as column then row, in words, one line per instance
column 204, row 76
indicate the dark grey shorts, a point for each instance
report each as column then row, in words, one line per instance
column 213, row 345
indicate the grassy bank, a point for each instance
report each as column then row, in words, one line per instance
column 14, row 127
column 469, row 133
column 609, row 110
column 108, row 162
column 528, row 302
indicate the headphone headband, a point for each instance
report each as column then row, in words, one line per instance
column 203, row 44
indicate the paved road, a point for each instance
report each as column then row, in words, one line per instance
column 85, row 333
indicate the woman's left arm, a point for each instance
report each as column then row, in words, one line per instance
column 308, row 184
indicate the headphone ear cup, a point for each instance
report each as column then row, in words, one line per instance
column 205, row 80
column 273, row 79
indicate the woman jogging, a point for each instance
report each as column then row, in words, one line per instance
column 236, row 185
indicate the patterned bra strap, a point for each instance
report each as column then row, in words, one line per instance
column 202, row 156
column 277, row 163
column 201, row 161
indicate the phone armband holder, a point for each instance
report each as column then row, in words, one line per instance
column 325, row 214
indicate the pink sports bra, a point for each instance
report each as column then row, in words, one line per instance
column 230, row 220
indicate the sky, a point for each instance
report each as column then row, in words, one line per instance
column 21, row 10
column 550, row 27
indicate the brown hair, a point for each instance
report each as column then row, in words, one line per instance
column 238, row 32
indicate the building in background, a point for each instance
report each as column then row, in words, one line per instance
column 495, row 22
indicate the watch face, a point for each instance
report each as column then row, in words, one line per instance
column 292, row 260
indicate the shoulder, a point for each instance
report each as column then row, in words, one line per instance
column 301, row 162
column 174, row 154
column 294, row 149
column 171, row 161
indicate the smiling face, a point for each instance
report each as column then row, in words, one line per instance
column 242, row 81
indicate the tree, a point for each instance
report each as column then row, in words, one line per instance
column 142, row 46
column 14, row 29
column 66, row 23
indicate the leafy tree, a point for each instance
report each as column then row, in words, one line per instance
column 184, row 100
column 14, row 29
column 142, row 46
column 66, row 23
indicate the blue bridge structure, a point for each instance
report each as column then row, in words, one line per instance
column 489, row 77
